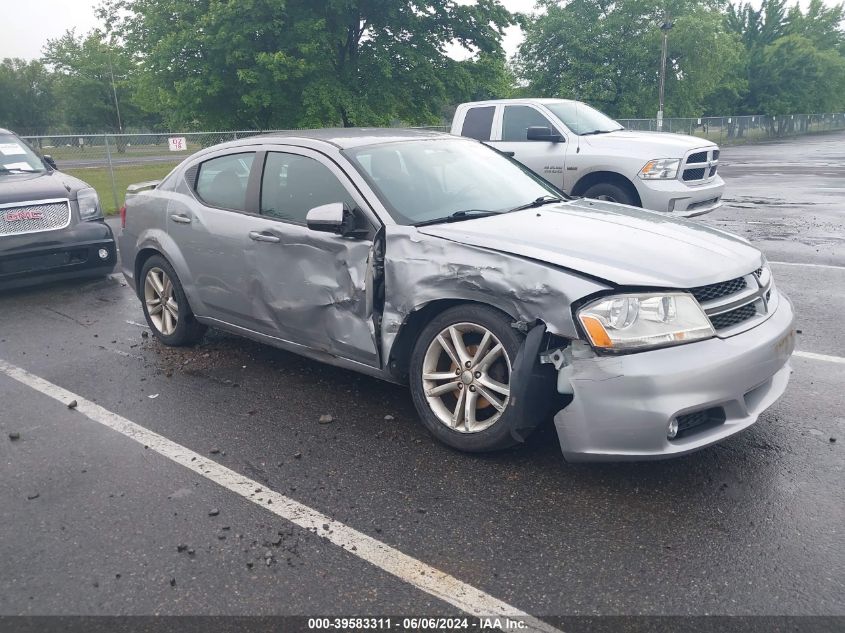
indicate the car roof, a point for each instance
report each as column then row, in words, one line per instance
column 345, row 138
column 524, row 100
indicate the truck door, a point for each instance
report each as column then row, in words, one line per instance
column 545, row 158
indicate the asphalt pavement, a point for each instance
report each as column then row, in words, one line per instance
column 98, row 521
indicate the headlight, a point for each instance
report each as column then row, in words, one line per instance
column 636, row 322
column 660, row 169
column 89, row 204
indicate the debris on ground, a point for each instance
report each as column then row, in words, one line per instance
column 213, row 512
column 389, row 417
column 214, row 451
column 181, row 547
column 153, row 396
column 297, row 455
column 14, row 435
column 833, row 440
column 72, row 404
column 32, row 496
column 326, row 419
column 172, row 582
column 145, row 334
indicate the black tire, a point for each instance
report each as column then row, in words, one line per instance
column 188, row 330
column 612, row 193
column 497, row 436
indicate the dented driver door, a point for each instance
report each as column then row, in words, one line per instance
column 308, row 287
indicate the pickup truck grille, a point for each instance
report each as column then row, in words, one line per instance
column 34, row 217
column 737, row 304
column 700, row 166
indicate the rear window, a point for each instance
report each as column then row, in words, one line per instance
column 222, row 181
column 478, row 123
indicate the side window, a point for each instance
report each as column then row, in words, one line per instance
column 517, row 120
column 478, row 123
column 292, row 185
column 222, row 181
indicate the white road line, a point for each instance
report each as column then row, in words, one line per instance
column 831, row 266
column 422, row 576
column 823, row 357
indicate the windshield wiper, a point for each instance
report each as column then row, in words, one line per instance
column 599, row 132
column 539, row 202
column 457, row 216
column 18, row 170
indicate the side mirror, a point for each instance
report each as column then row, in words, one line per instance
column 542, row 133
column 331, row 218
column 49, row 160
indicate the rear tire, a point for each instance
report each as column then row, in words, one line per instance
column 462, row 391
column 166, row 306
column 611, row 192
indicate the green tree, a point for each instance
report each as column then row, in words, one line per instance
column 93, row 83
column 26, row 96
column 269, row 63
column 608, row 54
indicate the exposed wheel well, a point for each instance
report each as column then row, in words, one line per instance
column 597, row 177
column 400, row 353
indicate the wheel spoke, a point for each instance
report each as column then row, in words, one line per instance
column 458, row 413
column 492, row 355
column 166, row 322
column 447, row 347
column 167, row 293
column 482, row 347
column 443, row 389
column 470, row 402
column 156, row 283
column 499, row 405
column 458, row 341
column 154, row 306
column 439, row 375
column 494, row 385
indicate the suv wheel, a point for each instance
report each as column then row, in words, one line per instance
column 166, row 306
column 461, row 378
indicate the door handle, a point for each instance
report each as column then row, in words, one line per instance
column 258, row 236
column 180, row 218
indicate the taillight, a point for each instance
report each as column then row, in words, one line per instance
column 123, row 217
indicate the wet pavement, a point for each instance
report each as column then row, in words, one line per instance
column 97, row 524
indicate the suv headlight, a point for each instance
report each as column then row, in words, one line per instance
column 641, row 321
column 89, row 204
column 660, row 169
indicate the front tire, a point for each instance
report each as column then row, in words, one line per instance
column 460, row 378
column 166, row 306
column 611, row 192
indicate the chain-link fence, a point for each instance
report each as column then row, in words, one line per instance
column 111, row 162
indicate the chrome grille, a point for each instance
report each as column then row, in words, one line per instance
column 34, row 217
column 701, row 165
column 716, row 291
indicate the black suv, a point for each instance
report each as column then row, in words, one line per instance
column 51, row 224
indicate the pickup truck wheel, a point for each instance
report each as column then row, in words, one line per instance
column 461, row 376
column 611, row 193
column 166, row 306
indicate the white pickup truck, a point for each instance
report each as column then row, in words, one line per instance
column 586, row 153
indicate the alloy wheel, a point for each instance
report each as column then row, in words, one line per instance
column 160, row 301
column 466, row 377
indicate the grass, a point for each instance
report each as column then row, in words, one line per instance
column 124, row 175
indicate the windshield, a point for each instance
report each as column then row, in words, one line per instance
column 16, row 157
column 581, row 118
column 420, row 181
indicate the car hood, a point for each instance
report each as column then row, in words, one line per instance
column 665, row 145
column 41, row 186
column 613, row 242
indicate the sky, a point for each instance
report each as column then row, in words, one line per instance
column 33, row 22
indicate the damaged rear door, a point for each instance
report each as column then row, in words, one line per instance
column 309, row 287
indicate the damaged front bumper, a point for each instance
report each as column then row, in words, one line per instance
column 622, row 405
